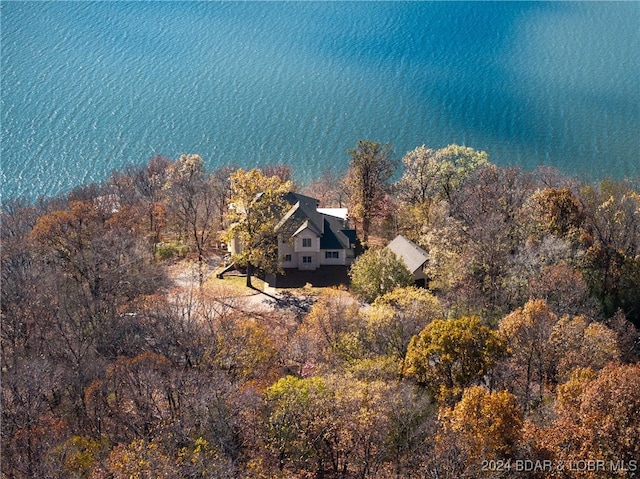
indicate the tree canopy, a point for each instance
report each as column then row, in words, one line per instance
column 521, row 347
column 256, row 206
column 370, row 170
column 451, row 354
column 376, row 272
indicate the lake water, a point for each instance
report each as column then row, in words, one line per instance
column 87, row 87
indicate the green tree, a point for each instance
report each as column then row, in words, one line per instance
column 377, row 272
column 257, row 205
column 367, row 180
column 450, row 355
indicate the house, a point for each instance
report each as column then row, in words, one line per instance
column 310, row 237
column 413, row 256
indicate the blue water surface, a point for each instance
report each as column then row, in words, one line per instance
column 88, row 87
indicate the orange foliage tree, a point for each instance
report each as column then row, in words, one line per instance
column 483, row 426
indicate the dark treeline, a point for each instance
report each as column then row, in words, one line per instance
column 523, row 347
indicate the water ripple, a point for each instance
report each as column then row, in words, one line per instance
column 92, row 86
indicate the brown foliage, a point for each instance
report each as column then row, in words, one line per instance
column 106, row 372
column 597, row 421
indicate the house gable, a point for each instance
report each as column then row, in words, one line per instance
column 306, row 239
column 309, row 237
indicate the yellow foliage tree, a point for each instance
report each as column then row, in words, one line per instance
column 328, row 334
column 527, row 331
column 398, row 316
column 450, row 355
column 139, row 460
column 257, row 204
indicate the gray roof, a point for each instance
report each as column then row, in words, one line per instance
column 303, row 214
column 412, row 255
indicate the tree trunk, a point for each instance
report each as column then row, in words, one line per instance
column 527, row 390
column 249, row 271
column 366, row 225
column 200, row 269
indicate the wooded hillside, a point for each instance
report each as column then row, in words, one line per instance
column 523, row 347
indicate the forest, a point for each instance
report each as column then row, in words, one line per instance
column 124, row 356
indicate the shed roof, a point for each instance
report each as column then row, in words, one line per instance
column 413, row 256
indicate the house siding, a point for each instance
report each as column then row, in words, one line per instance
column 285, row 250
column 298, row 251
column 340, row 260
column 307, row 261
column 309, row 238
column 307, row 235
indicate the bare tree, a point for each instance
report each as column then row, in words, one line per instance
column 367, row 181
column 193, row 202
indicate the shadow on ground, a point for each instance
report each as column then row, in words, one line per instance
column 323, row 277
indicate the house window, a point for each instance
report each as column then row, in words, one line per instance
column 306, row 242
column 287, row 258
column 332, row 254
column 307, row 260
